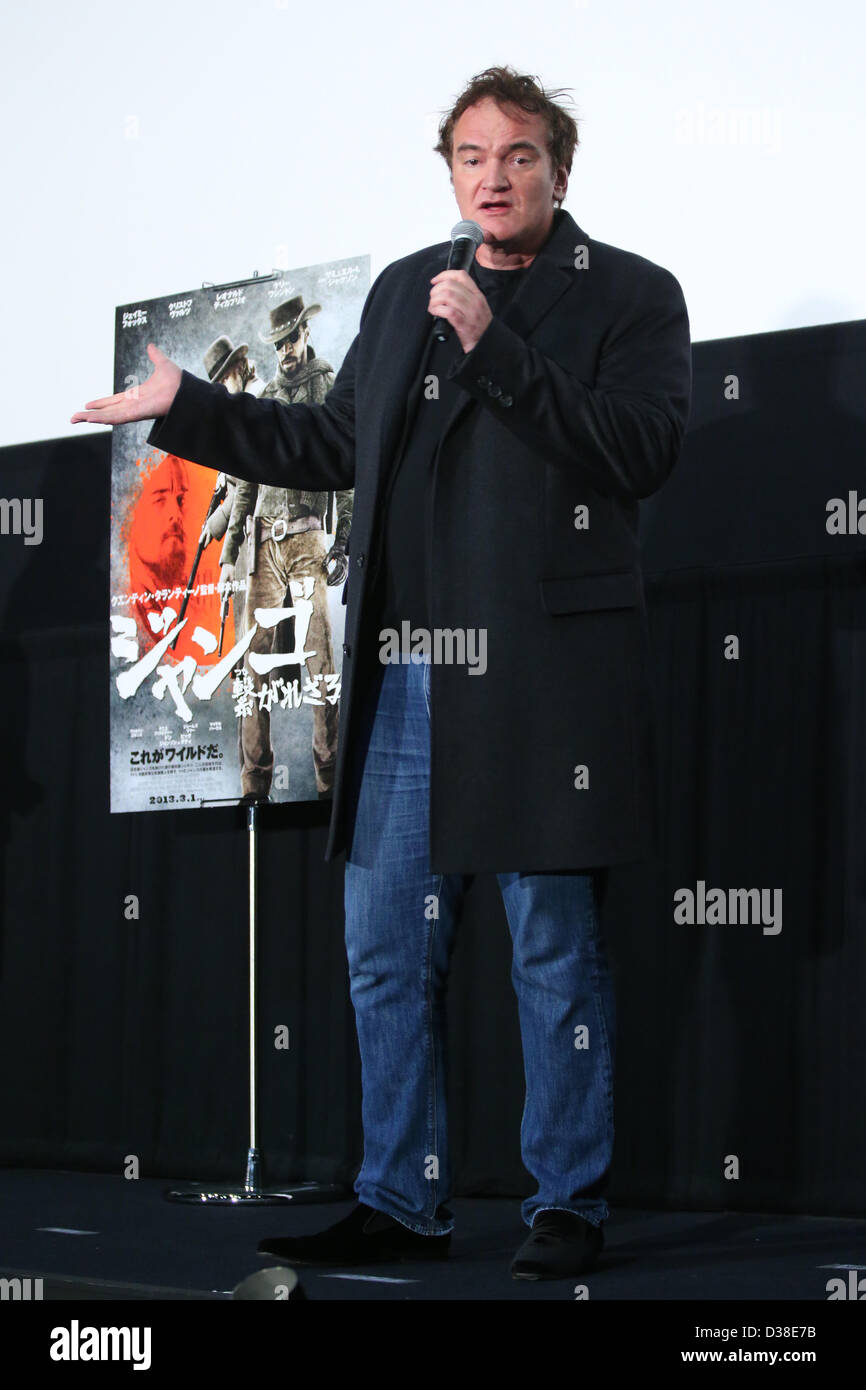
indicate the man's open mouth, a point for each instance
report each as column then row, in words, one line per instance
column 494, row 207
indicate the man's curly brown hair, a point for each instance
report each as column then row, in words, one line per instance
column 510, row 88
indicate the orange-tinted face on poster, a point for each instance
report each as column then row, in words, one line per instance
column 164, row 526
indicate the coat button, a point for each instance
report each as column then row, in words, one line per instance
column 506, row 400
column 347, row 650
column 483, row 383
column 494, row 390
column 360, row 561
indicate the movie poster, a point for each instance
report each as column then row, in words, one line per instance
column 226, row 606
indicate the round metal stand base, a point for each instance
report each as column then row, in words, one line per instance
column 252, row 1194
column 228, row 1197
column 244, row 1197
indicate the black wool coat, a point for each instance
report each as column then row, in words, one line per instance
column 573, row 406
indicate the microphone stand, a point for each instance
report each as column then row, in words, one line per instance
column 251, row 1193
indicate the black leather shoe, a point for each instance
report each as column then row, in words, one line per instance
column 365, row 1236
column 560, row 1244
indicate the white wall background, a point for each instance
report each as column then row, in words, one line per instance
column 149, row 147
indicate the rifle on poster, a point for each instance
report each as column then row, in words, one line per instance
column 219, row 495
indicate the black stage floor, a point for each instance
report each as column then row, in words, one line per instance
column 94, row 1236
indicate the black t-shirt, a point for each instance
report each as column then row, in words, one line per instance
column 403, row 580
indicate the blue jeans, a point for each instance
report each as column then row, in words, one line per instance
column 400, row 927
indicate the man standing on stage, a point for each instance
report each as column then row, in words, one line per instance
column 510, row 506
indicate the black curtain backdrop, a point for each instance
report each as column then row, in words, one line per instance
column 130, row 1037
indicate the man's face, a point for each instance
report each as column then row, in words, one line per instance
column 159, row 532
column 502, row 175
column 293, row 355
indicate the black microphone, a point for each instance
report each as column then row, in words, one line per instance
column 466, row 237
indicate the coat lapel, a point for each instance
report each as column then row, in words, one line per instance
column 391, row 421
column 550, row 275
